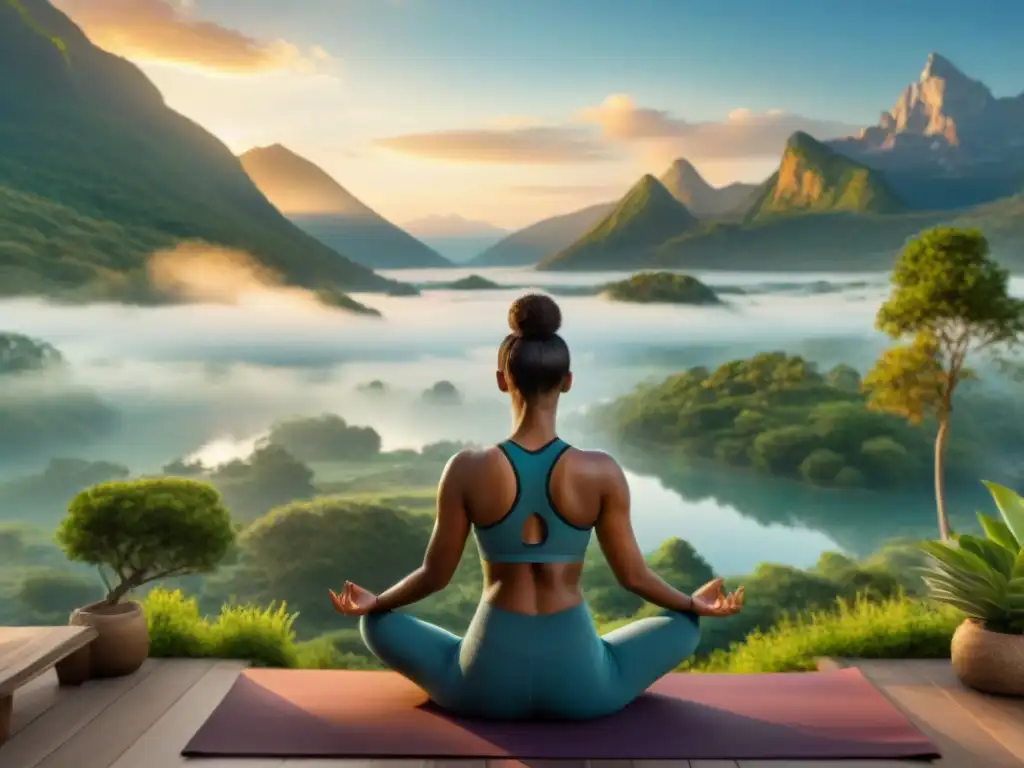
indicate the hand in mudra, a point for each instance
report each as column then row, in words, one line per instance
column 353, row 600
column 711, row 600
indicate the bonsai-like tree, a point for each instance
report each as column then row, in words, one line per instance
column 146, row 530
column 949, row 300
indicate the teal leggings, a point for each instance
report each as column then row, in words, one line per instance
column 515, row 666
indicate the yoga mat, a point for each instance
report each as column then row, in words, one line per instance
column 358, row 714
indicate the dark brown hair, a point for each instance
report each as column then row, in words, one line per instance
column 534, row 358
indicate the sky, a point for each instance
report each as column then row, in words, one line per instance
column 509, row 111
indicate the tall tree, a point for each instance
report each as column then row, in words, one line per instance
column 949, row 300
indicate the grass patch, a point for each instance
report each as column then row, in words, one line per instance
column 900, row 628
column 262, row 636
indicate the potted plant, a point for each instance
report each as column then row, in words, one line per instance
column 983, row 576
column 140, row 531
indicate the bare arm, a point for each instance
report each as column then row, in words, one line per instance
column 447, row 542
column 618, row 542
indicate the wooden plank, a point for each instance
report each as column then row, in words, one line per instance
column 160, row 746
column 36, row 698
column 73, row 710
column 1002, row 717
column 26, row 652
column 959, row 736
column 121, row 724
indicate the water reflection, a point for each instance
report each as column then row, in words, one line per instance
column 739, row 519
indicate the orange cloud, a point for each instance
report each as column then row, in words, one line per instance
column 165, row 31
column 567, row 190
column 742, row 134
column 530, row 144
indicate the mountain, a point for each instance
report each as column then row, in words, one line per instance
column 812, row 178
column 459, row 239
column 820, row 211
column 331, row 214
column 947, row 142
column 700, row 198
column 100, row 173
column 647, row 216
column 548, row 236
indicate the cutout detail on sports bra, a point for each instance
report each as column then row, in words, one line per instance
column 534, row 531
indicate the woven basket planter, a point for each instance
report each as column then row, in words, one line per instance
column 992, row 662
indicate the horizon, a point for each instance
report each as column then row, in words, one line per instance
column 485, row 115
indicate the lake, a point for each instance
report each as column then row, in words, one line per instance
column 211, row 378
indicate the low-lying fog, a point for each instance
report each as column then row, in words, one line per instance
column 209, row 379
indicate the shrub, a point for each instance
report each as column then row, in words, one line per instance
column 262, row 636
column 900, row 627
column 822, row 466
column 146, row 530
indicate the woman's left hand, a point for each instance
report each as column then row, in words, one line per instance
column 353, row 600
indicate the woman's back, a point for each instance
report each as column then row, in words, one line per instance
column 533, row 505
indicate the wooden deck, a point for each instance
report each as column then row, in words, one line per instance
column 144, row 721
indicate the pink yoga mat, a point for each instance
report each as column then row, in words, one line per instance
column 350, row 714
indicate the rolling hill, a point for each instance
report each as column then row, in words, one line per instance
column 100, row 173
column 647, row 216
column 700, row 198
column 548, row 236
column 330, row 213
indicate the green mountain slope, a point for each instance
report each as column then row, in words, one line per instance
column 87, row 138
column 323, row 208
column 815, row 179
column 531, row 244
column 647, row 216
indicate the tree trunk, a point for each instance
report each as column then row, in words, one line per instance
column 940, row 493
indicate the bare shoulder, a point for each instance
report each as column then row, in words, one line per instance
column 469, row 461
column 596, row 464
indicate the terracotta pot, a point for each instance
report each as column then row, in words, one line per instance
column 987, row 661
column 122, row 641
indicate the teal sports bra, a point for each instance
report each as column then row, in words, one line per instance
column 561, row 542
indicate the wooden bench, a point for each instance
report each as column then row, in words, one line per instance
column 27, row 652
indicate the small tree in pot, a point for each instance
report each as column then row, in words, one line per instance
column 141, row 531
column 983, row 576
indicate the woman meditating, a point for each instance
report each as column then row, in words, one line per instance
column 531, row 651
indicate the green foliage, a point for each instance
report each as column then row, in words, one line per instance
column 146, row 530
column 325, row 438
column 984, row 576
column 661, row 288
column 263, row 637
column 50, row 596
column 898, row 628
column 21, row 354
column 822, row 466
column 101, row 173
column 777, row 413
column 271, row 476
column 946, row 285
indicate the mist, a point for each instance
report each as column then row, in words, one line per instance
column 187, row 378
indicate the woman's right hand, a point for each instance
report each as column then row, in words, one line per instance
column 711, row 600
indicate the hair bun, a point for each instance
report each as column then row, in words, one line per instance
column 534, row 316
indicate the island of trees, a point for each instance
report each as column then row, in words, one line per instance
column 660, row 288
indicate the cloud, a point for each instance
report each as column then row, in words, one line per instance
column 539, row 145
column 165, row 31
column 742, row 134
